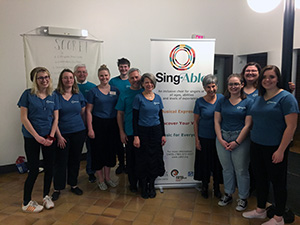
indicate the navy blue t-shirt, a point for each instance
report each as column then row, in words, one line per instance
column 148, row 110
column 104, row 105
column 40, row 112
column 70, row 120
column 206, row 111
column 233, row 116
column 269, row 117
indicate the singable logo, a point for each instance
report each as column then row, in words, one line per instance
column 190, row 57
column 174, row 172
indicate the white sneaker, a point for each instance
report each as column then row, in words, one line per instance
column 274, row 222
column 48, row 203
column 32, row 206
column 253, row 214
column 241, row 205
column 112, row 183
column 102, row 186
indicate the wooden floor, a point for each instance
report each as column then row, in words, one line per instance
column 118, row 206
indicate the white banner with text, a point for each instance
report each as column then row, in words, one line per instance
column 179, row 66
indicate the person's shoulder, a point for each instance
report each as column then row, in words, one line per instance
column 91, row 84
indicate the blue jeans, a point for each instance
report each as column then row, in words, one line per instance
column 235, row 164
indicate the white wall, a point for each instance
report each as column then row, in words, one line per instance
column 126, row 30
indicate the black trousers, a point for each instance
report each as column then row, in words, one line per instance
column 32, row 151
column 130, row 162
column 265, row 172
column 207, row 162
column 67, row 160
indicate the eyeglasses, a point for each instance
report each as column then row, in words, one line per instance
column 43, row 78
column 234, row 84
column 252, row 71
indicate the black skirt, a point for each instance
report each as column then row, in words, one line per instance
column 149, row 157
column 104, row 145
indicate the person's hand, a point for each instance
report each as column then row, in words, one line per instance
column 91, row 134
column 198, row 145
column 163, row 140
column 136, row 142
column 292, row 86
column 123, row 137
column 277, row 157
column 232, row 145
column 224, row 144
column 61, row 142
column 41, row 140
column 48, row 142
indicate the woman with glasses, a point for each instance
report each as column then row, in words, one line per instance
column 274, row 114
column 70, row 134
column 232, row 125
column 39, row 116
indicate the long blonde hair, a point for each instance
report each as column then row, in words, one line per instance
column 35, row 89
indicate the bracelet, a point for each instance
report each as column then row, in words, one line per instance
column 51, row 138
column 236, row 142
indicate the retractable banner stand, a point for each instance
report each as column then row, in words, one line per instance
column 179, row 66
column 58, row 52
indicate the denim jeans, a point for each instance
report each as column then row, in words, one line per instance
column 235, row 164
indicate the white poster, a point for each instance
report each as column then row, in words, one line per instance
column 179, row 66
column 57, row 53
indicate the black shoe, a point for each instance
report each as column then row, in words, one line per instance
column 204, row 192
column 55, row 195
column 77, row 191
column 92, row 178
column 133, row 189
column 217, row 193
column 120, row 169
column 144, row 188
column 151, row 192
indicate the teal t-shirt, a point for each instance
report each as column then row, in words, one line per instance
column 125, row 104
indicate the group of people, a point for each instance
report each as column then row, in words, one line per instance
column 117, row 113
column 247, row 131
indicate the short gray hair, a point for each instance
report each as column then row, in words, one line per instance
column 150, row 76
column 78, row 66
column 209, row 79
column 131, row 70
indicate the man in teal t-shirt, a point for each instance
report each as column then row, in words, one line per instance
column 122, row 83
column 124, row 107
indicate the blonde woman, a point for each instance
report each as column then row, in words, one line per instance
column 103, row 128
column 39, row 117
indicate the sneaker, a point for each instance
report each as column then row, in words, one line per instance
column 76, row 191
column 274, row 222
column 254, row 214
column 112, row 183
column 241, row 205
column 32, row 206
column 120, row 169
column 47, row 202
column 102, row 186
column 225, row 200
column 92, row 178
column 55, row 195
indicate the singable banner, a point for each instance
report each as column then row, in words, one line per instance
column 179, row 66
